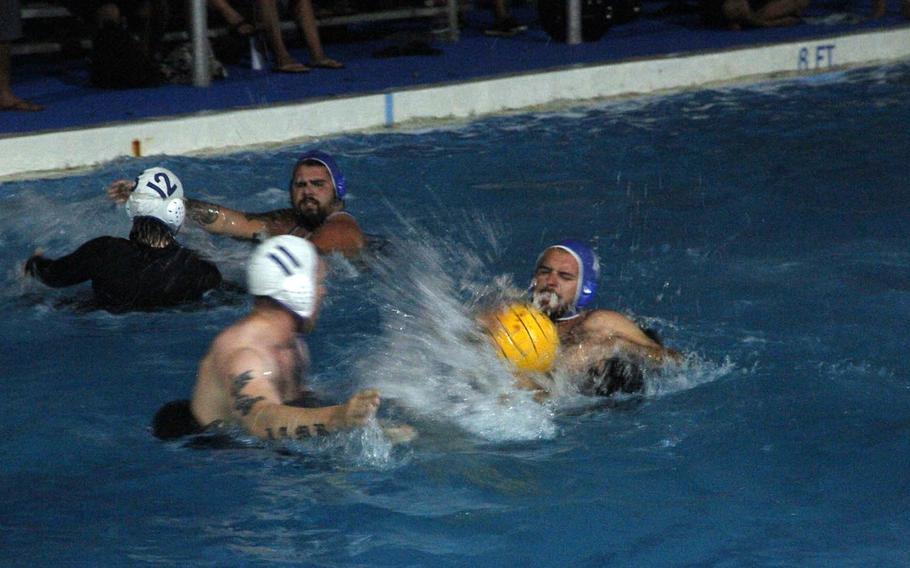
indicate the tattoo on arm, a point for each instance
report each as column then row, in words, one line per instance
column 268, row 216
column 242, row 402
column 300, row 433
column 278, row 222
column 202, row 212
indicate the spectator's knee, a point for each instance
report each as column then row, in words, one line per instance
column 109, row 12
column 737, row 10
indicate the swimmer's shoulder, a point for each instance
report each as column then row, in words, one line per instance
column 108, row 243
column 339, row 233
column 342, row 216
column 610, row 322
column 236, row 350
column 600, row 318
column 341, row 219
column 99, row 250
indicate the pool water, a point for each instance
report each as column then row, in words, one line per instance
column 762, row 230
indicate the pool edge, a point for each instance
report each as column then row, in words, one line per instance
column 43, row 154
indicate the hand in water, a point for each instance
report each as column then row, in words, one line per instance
column 27, row 269
column 359, row 409
column 401, row 434
column 119, row 191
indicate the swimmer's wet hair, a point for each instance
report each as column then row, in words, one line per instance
column 150, row 231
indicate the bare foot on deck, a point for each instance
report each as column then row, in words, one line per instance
column 291, row 66
column 326, row 63
column 13, row 103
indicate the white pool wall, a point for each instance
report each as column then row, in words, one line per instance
column 37, row 154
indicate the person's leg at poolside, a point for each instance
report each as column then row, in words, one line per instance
column 234, row 19
column 271, row 23
column 773, row 14
column 504, row 25
column 306, row 21
column 10, row 29
column 782, row 12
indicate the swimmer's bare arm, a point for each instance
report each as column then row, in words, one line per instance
column 605, row 334
column 119, row 191
column 339, row 233
column 257, row 407
column 221, row 220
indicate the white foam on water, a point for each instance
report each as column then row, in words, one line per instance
column 692, row 372
column 431, row 357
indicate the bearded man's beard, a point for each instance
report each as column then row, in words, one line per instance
column 311, row 218
column 547, row 301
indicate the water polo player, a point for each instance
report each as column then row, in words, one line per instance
column 254, row 368
column 605, row 347
column 317, row 190
column 148, row 270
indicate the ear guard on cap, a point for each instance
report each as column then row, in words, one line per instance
column 158, row 193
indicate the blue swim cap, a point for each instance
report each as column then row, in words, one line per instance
column 330, row 164
column 588, row 270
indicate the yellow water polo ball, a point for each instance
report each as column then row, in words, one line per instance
column 525, row 337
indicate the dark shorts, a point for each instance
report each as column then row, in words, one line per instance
column 175, row 420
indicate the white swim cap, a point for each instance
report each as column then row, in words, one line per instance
column 159, row 194
column 285, row 268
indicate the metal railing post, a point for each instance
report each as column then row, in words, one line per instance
column 452, row 14
column 199, row 31
column 573, row 22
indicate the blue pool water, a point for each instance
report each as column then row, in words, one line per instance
column 761, row 230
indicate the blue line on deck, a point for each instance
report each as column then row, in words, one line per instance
column 389, row 109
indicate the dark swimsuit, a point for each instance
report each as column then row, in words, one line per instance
column 175, row 419
column 128, row 276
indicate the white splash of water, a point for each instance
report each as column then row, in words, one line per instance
column 690, row 373
column 431, row 358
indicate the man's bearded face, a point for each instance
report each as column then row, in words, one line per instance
column 555, row 283
column 312, row 193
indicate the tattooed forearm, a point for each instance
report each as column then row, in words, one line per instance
column 242, row 402
column 300, row 433
column 202, row 212
column 279, row 215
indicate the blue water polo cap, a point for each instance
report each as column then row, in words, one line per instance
column 588, row 269
column 330, row 164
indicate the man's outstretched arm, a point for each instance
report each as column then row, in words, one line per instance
column 221, row 220
column 256, row 405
